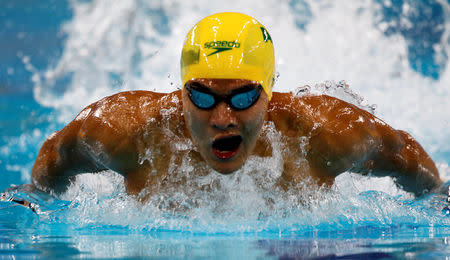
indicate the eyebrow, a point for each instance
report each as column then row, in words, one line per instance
column 244, row 88
column 200, row 87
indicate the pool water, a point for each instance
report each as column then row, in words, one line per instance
column 56, row 57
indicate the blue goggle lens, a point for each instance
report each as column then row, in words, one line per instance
column 239, row 101
column 244, row 100
column 202, row 100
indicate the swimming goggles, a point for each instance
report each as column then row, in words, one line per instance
column 241, row 99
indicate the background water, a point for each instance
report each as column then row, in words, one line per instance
column 58, row 56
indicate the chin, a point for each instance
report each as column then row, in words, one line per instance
column 226, row 170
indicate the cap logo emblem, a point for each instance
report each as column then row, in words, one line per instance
column 220, row 46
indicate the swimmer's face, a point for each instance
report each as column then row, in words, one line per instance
column 224, row 135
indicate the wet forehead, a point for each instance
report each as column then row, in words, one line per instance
column 224, row 86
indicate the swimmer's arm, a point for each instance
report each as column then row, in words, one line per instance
column 91, row 143
column 60, row 159
column 359, row 142
column 108, row 134
column 404, row 158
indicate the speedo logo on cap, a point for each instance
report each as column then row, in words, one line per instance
column 220, row 46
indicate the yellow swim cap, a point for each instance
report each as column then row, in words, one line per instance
column 229, row 46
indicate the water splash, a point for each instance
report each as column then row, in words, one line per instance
column 339, row 90
column 248, row 201
column 98, row 201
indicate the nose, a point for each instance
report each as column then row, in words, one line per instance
column 223, row 117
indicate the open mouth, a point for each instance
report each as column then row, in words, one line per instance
column 227, row 147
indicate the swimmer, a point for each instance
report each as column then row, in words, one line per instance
column 227, row 71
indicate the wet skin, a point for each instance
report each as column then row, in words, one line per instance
column 116, row 132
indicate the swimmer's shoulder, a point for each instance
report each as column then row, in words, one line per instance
column 132, row 103
column 299, row 115
column 142, row 98
column 130, row 110
column 293, row 115
column 281, row 99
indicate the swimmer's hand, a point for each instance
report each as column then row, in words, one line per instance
column 26, row 195
column 8, row 195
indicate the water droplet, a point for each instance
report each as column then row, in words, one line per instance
column 446, row 211
column 302, row 90
column 342, row 84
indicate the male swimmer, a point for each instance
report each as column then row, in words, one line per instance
column 227, row 71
